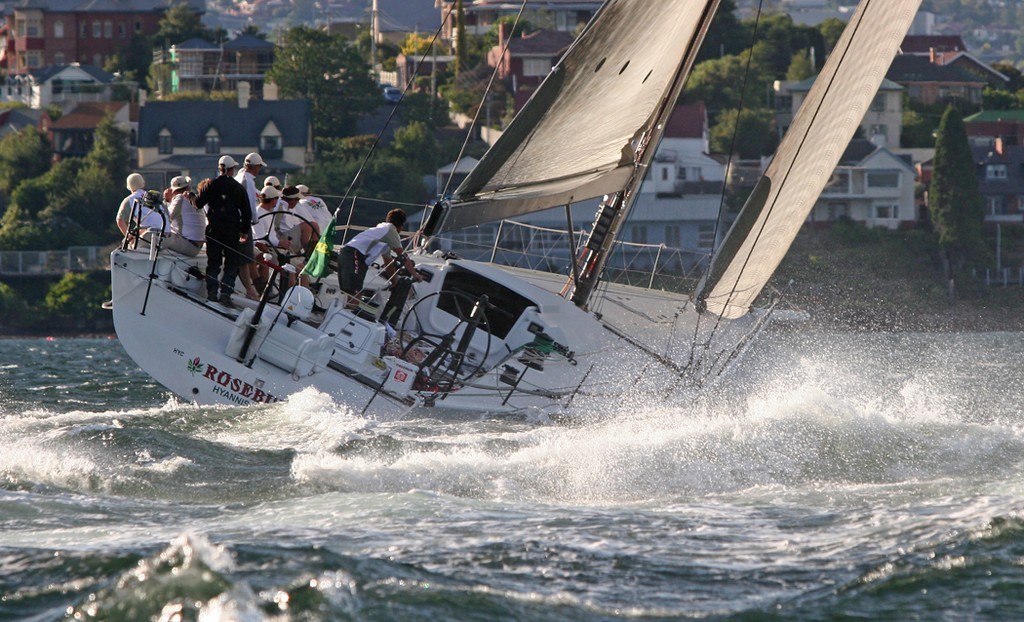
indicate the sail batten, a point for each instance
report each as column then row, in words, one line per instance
column 577, row 136
column 806, row 158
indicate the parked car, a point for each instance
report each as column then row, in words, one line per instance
column 392, row 94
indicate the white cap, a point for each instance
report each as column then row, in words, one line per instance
column 303, row 189
column 254, row 159
column 135, row 182
column 270, row 192
column 181, row 181
column 227, row 162
column 271, row 181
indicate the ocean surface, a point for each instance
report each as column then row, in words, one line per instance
column 834, row 477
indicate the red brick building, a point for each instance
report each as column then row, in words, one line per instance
column 54, row 32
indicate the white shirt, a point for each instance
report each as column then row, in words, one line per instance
column 248, row 182
column 321, row 214
column 186, row 220
column 374, row 242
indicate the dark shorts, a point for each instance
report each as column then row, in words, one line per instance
column 351, row 270
column 248, row 250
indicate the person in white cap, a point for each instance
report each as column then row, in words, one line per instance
column 136, row 185
column 188, row 223
column 251, row 167
column 315, row 206
column 229, row 221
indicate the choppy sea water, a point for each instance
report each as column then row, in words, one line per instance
column 837, row 476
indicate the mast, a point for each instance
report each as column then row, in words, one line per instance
column 614, row 209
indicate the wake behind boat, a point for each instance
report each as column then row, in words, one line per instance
column 474, row 336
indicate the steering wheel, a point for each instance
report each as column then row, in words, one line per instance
column 284, row 255
column 445, row 364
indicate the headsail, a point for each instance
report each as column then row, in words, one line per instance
column 806, row 158
column 576, row 137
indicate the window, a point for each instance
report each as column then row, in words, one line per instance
column 108, row 29
column 640, row 234
column 33, row 59
column 97, row 60
column 58, row 58
column 837, row 211
column 883, row 179
column 122, row 32
column 887, row 212
column 271, row 146
column 664, row 174
column 673, row 236
column 681, row 173
column 705, row 237
column 536, row 67
column 165, row 144
column 83, row 30
column 995, row 171
column 996, row 205
column 33, row 29
column 212, row 141
column 97, row 30
column 58, row 30
column 138, row 26
column 839, row 184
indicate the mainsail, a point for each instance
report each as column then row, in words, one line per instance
column 806, row 158
column 578, row 135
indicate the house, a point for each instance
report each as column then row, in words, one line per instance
column 682, row 165
column 872, row 186
column 72, row 135
column 58, row 85
column 421, row 66
column 198, row 65
column 930, row 83
column 882, row 123
column 481, row 15
column 188, row 137
column 528, row 59
column 927, row 45
column 56, row 32
column 1000, row 170
column 13, row 120
column 983, row 128
column 397, row 19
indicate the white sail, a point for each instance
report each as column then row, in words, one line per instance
column 576, row 137
column 806, row 158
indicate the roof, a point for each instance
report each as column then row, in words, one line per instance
column 856, row 151
column 87, row 115
column 465, row 165
column 16, row 119
column 195, row 43
column 687, row 121
column 924, row 44
column 248, row 42
column 1013, row 158
column 45, row 73
column 805, row 85
column 990, row 116
column 101, row 6
column 188, row 121
column 544, row 42
column 910, row 68
column 408, row 16
column 199, row 165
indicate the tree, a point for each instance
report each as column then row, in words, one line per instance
column 110, row 149
column 726, row 36
column 330, row 73
column 460, row 37
column 954, row 200
column 416, row 145
column 800, row 67
column 754, row 137
column 180, row 23
column 830, row 30
column 77, row 298
column 133, row 60
column 23, row 155
column 720, row 82
column 917, row 130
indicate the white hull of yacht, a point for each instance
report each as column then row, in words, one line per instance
column 198, row 350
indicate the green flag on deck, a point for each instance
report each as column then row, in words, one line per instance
column 319, row 262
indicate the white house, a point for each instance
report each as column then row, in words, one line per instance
column 872, row 186
column 883, row 121
column 61, row 85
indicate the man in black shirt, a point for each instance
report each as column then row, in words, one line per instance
column 228, row 224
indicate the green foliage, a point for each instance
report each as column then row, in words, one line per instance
column 23, row 155
column 415, row 144
column 754, row 137
column 726, row 36
column 77, row 298
column 12, row 307
column 954, row 200
column 110, row 149
column 460, row 38
column 1000, row 99
column 830, row 30
column 800, row 67
column 330, row 73
column 918, row 130
column 385, row 178
column 720, row 82
column 180, row 23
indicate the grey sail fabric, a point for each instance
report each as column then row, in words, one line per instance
column 806, row 158
column 575, row 139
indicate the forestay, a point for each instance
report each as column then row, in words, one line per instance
column 806, row 158
column 577, row 136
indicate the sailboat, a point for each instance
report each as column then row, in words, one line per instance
column 477, row 337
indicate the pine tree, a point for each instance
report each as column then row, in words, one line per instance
column 954, row 199
column 460, row 37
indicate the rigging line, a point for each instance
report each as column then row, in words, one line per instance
column 483, row 100
column 799, row 148
column 394, row 111
column 732, row 151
